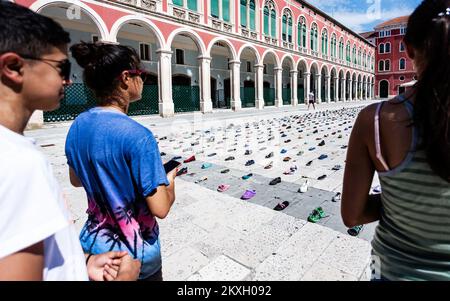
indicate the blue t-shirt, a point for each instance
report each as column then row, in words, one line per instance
column 119, row 164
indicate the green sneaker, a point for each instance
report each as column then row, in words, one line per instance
column 316, row 215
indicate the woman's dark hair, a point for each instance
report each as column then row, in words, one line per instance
column 428, row 33
column 103, row 63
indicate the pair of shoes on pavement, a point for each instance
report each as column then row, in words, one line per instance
column 316, row 215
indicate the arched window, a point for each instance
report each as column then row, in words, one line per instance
column 333, row 46
column 402, row 47
column 270, row 19
column 325, row 42
column 381, row 48
column 354, row 55
column 402, row 64
column 190, row 4
column 341, row 49
column 381, row 66
column 248, row 14
column 301, row 28
column 388, row 48
column 216, row 12
column 266, row 21
column 365, row 59
column 387, row 65
column 287, row 26
column 348, row 53
column 314, row 37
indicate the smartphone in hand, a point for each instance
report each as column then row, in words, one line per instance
column 171, row 165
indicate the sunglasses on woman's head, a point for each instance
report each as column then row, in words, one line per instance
column 138, row 72
column 64, row 65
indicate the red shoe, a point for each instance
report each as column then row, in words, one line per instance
column 191, row 159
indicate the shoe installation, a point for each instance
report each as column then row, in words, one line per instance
column 275, row 181
column 223, row 188
column 206, row 165
column 323, row 157
column 248, row 176
column 316, row 215
column 321, row 177
column 354, row 231
column 281, row 206
column 201, row 180
column 304, row 187
column 182, row 171
column 225, row 171
column 337, row 167
column 250, row 163
column 337, row 197
column 230, row 158
column 190, row 159
column 248, row 194
column 269, row 166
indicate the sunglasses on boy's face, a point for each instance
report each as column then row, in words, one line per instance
column 63, row 65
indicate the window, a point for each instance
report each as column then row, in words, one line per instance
column 385, row 33
column 341, row 49
column 381, row 48
column 248, row 14
column 333, row 46
column 387, row 48
column 270, row 19
column 402, row 64
column 190, row 4
column 402, row 78
column 266, row 21
column 144, row 52
column 314, row 37
column 95, row 39
column 348, row 53
column 273, row 23
column 325, row 42
column 302, row 32
column 215, row 9
column 355, row 60
column 403, row 30
column 249, row 67
column 179, row 56
column 387, row 65
column 402, row 47
column 381, row 66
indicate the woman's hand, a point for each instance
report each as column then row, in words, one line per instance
column 97, row 263
column 127, row 270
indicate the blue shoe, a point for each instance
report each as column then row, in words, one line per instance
column 176, row 158
column 206, row 165
column 323, row 157
column 311, row 149
column 283, row 151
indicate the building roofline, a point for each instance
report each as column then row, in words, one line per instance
column 328, row 17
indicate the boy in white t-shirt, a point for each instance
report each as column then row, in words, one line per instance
column 37, row 238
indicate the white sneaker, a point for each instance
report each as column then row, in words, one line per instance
column 304, row 187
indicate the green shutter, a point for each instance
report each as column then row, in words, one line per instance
column 192, row 4
column 284, row 28
column 266, row 20
column 178, row 2
column 244, row 13
column 274, row 23
column 304, row 35
column 226, row 10
column 252, row 15
column 299, row 34
column 215, row 8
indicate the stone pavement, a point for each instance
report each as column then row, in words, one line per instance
column 214, row 236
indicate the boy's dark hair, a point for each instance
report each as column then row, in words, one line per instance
column 27, row 33
column 103, row 63
column 428, row 33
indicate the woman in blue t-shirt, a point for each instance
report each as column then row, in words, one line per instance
column 117, row 160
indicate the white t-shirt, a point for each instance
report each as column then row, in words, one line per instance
column 32, row 209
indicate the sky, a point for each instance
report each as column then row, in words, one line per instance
column 364, row 15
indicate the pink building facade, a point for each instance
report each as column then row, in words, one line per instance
column 235, row 53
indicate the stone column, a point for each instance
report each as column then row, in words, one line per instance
column 166, row 105
column 336, row 89
column 318, row 92
column 307, row 85
column 294, row 88
column 205, row 84
column 278, row 87
column 328, row 88
column 236, row 103
column 259, row 102
column 343, row 89
column 350, row 92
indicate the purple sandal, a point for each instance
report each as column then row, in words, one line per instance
column 248, row 194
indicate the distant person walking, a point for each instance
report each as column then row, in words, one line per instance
column 311, row 100
column 407, row 142
column 117, row 160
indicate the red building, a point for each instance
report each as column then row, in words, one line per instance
column 393, row 67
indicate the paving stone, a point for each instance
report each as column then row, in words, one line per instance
column 181, row 265
column 322, row 272
column 351, row 255
column 221, row 269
